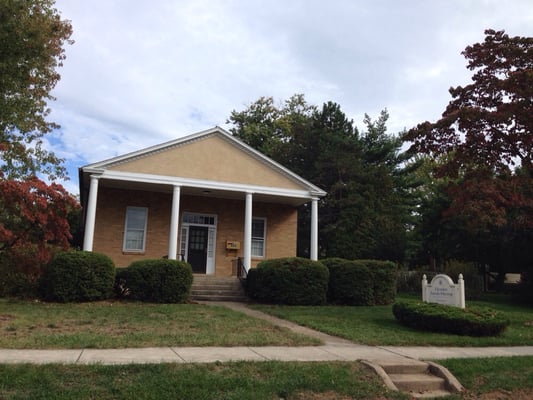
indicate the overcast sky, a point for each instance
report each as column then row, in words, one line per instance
column 143, row 72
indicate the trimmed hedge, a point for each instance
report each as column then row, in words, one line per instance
column 384, row 279
column 21, row 269
column 471, row 321
column 157, row 281
column 78, row 276
column 350, row 282
column 293, row 281
column 361, row 282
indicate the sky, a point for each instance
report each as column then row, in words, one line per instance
column 144, row 72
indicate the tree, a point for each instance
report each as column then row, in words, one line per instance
column 483, row 145
column 32, row 36
column 485, row 135
column 35, row 222
column 33, row 215
column 366, row 210
column 33, row 212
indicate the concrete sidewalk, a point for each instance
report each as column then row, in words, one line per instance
column 226, row 354
column 333, row 349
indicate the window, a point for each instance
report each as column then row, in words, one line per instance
column 135, row 230
column 258, row 237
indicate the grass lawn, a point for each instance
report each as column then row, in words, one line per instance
column 243, row 380
column 377, row 326
column 37, row 325
column 495, row 378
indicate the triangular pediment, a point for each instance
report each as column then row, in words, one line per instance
column 212, row 155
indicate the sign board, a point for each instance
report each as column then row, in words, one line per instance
column 442, row 290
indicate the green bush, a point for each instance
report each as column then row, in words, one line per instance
column 524, row 290
column 384, row 278
column 411, row 281
column 471, row 321
column 158, row 281
column 78, row 276
column 293, row 281
column 350, row 282
column 361, row 282
column 472, row 278
column 13, row 282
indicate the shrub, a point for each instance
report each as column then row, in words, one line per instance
column 78, row 276
column 21, row 267
column 411, row 281
column 350, row 282
column 158, row 281
column 384, row 278
column 524, row 289
column 293, row 281
column 361, row 282
column 471, row 321
column 472, row 277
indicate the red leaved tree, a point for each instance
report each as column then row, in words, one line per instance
column 34, row 218
column 485, row 136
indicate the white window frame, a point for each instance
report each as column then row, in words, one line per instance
column 256, row 238
column 126, row 230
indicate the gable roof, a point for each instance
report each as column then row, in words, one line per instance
column 135, row 162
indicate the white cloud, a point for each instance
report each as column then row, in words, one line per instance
column 141, row 73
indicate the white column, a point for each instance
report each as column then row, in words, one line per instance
column 90, row 216
column 174, row 224
column 314, row 229
column 247, row 245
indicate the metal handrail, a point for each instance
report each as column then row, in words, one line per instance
column 242, row 274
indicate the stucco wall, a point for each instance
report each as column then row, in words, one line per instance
column 111, row 211
column 198, row 160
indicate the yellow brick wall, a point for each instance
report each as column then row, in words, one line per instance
column 281, row 224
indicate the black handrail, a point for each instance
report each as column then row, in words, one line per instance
column 242, row 274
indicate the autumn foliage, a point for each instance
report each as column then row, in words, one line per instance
column 33, row 215
column 484, row 140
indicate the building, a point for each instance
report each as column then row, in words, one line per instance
column 206, row 198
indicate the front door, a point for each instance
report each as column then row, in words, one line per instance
column 197, row 251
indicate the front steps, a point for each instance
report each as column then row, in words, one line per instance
column 419, row 379
column 213, row 288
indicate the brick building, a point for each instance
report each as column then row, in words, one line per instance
column 206, row 198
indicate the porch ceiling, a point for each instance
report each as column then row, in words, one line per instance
column 203, row 192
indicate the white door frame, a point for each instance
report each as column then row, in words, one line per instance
column 205, row 220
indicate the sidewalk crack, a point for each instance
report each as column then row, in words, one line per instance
column 176, row 353
column 79, row 357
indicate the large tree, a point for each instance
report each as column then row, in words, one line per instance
column 485, row 135
column 32, row 36
column 366, row 209
column 33, row 214
column 483, row 147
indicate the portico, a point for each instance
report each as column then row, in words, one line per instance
column 164, row 182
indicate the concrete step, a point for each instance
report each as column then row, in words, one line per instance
column 213, row 288
column 417, row 383
column 433, row 394
column 217, row 284
column 213, row 278
column 418, row 378
column 404, row 367
column 219, row 297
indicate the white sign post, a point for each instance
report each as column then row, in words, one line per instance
column 442, row 290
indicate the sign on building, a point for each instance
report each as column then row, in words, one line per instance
column 442, row 290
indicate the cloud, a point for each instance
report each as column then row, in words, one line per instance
column 141, row 73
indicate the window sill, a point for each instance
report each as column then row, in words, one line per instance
column 133, row 252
